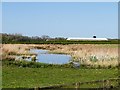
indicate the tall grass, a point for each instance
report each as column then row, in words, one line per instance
column 10, row 50
column 87, row 54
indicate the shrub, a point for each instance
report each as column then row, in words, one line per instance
column 93, row 58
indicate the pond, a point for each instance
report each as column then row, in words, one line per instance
column 44, row 57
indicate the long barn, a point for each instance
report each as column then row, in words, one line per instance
column 95, row 39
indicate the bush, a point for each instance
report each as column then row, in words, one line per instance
column 93, row 58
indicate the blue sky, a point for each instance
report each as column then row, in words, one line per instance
column 75, row 19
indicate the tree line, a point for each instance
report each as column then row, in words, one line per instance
column 19, row 38
column 45, row 39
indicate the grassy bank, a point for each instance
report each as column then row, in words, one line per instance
column 15, row 76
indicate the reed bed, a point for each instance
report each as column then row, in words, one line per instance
column 87, row 54
column 11, row 50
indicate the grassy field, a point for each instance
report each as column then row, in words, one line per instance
column 27, row 77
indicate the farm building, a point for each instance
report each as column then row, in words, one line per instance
column 94, row 38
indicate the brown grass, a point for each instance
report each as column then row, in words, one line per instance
column 88, row 54
column 10, row 50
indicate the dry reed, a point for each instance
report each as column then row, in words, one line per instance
column 88, row 54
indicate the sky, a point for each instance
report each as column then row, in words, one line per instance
column 61, row 19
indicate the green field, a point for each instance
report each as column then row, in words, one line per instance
column 63, row 42
column 14, row 76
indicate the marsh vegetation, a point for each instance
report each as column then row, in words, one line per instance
column 97, row 62
column 105, row 55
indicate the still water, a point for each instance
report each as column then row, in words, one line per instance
column 44, row 57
